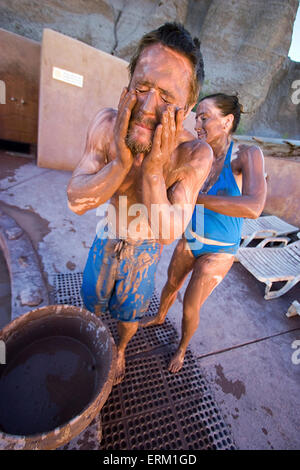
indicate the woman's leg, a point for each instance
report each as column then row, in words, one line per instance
column 181, row 264
column 209, row 270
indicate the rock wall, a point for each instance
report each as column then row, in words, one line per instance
column 245, row 44
column 245, row 47
column 279, row 114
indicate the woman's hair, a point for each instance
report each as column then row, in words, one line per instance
column 175, row 36
column 228, row 104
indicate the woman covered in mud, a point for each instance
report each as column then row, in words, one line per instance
column 234, row 189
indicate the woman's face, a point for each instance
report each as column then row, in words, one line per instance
column 211, row 125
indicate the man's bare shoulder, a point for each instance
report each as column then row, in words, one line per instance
column 196, row 150
column 194, row 160
column 102, row 124
column 97, row 152
column 186, row 136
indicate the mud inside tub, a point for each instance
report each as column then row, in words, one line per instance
column 54, row 370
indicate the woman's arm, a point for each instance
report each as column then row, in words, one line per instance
column 250, row 162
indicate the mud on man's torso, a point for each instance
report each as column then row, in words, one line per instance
column 130, row 191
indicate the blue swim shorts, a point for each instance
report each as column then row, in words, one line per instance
column 119, row 277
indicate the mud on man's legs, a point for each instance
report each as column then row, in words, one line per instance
column 126, row 331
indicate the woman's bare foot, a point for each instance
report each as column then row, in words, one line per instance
column 176, row 362
column 152, row 321
column 120, row 368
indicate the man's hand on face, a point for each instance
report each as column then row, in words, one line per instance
column 125, row 107
column 165, row 139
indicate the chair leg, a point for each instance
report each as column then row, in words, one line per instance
column 293, row 310
column 275, row 294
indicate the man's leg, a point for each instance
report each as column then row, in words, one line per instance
column 126, row 331
column 181, row 264
column 132, row 294
column 99, row 276
column 209, row 271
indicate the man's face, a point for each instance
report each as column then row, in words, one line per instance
column 162, row 77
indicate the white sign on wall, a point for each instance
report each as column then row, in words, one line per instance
column 67, row 77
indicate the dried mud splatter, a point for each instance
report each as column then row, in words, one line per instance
column 236, row 388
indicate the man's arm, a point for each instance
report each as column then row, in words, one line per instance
column 184, row 192
column 95, row 180
column 250, row 163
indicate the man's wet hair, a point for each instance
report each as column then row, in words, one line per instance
column 175, row 36
column 227, row 104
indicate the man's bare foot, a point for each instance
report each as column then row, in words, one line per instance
column 120, row 368
column 176, row 362
column 152, row 321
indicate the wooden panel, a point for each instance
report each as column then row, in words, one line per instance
column 65, row 110
column 19, row 71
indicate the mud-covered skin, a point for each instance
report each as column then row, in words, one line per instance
column 187, row 167
column 141, row 151
column 210, row 269
column 248, row 166
column 150, row 111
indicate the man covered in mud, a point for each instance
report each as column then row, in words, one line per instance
column 150, row 169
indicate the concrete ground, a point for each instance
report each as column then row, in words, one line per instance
column 247, row 348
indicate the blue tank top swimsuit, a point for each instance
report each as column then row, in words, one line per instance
column 212, row 225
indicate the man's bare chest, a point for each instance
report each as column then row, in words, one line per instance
column 132, row 186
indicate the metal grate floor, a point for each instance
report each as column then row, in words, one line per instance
column 151, row 409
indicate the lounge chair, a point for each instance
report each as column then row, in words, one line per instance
column 263, row 227
column 273, row 264
column 294, row 309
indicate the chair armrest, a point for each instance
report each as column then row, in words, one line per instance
column 264, row 242
column 248, row 238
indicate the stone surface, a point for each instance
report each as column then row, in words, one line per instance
column 13, row 233
column 245, row 48
column 27, row 285
column 30, row 297
column 282, row 174
column 246, row 54
column 282, row 101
